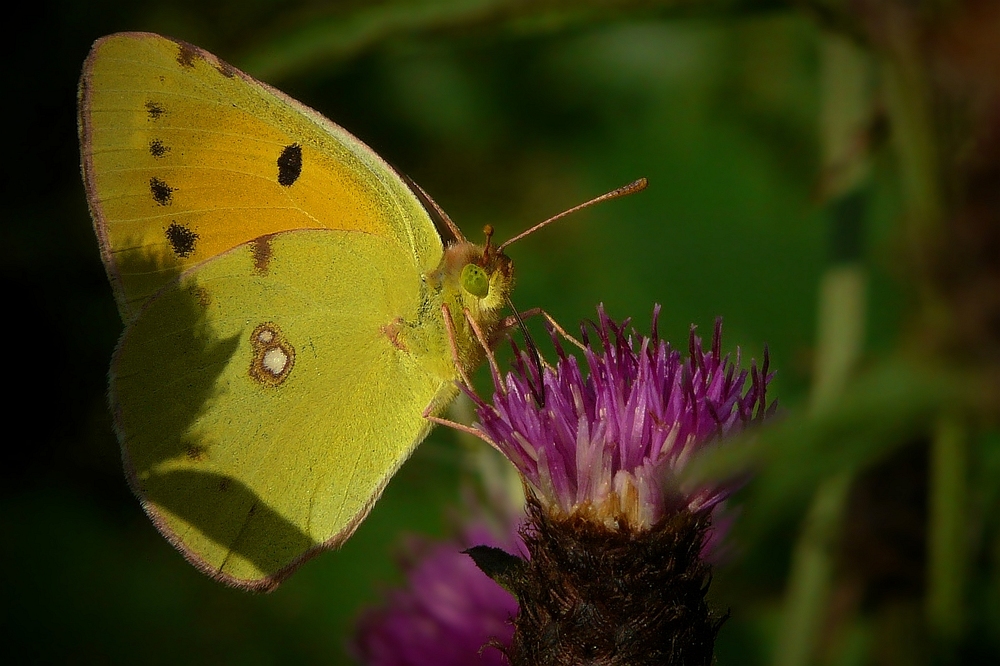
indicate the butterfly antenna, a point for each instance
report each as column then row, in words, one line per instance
column 538, row 393
column 631, row 188
column 488, row 232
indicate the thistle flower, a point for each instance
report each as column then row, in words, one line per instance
column 616, row 573
column 610, row 446
column 615, row 568
column 448, row 614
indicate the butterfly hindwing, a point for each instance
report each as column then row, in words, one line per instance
column 262, row 412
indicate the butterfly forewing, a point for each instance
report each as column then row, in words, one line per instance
column 186, row 157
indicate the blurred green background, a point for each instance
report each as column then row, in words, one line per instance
column 507, row 113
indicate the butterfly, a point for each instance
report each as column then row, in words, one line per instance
column 293, row 318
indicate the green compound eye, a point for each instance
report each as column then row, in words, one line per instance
column 475, row 281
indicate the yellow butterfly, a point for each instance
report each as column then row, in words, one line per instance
column 292, row 316
column 282, row 288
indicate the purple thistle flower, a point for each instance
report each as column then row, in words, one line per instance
column 610, row 446
column 617, row 571
column 449, row 613
column 611, row 567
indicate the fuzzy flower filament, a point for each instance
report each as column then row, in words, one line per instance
column 610, row 445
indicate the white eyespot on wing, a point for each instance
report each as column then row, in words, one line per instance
column 275, row 361
column 273, row 356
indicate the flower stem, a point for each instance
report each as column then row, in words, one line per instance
column 909, row 106
column 840, row 336
column 809, row 581
column 946, row 535
column 841, row 328
column 840, row 333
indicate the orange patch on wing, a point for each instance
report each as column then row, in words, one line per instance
column 391, row 331
column 262, row 253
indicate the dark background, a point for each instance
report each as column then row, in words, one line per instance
column 506, row 113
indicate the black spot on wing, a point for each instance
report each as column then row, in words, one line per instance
column 200, row 295
column 181, row 239
column 290, row 165
column 195, row 453
column 154, row 110
column 162, row 193
column 186, row 54
column 157, row 149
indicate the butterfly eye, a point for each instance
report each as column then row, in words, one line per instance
column 475, row 280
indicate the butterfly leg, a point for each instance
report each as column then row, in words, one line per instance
column 486, row 345
column 469, row 430
column 513, row 321
column 433, row 418
column 453, row 345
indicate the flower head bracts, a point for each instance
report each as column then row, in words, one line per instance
column 610, row 444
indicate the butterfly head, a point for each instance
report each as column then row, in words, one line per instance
column 484, row 277
column 474, row 281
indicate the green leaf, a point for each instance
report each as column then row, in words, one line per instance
column 880, row 410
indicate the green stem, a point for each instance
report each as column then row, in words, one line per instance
column 840, row 335
column 840, row 332
column 946, row 531
column 841, row 328
column 809, row 580
column 908, row 101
